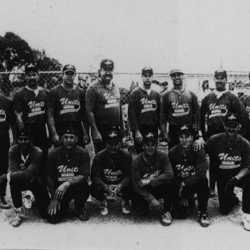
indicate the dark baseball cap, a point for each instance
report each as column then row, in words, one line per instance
column 220, row 72
column 150, row 137
column 69, row 130
column 24, row 133
column 30, row 67
column 174, row 71
column 147, row 70
column 107, row 64
column 232, row 118
column 68, row 68
column 188, row 130
column 113, row 134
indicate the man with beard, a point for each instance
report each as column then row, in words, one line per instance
column 144, row 109
column 214, row 107
column 179, row 107
column 110, row 173
column 7, row 121
column 24, row 163
column 231, row 165
column 30, row 106
column 152, row 177
column 68, row 168
column 189, row 168
column 103, row 105
column 67, row 108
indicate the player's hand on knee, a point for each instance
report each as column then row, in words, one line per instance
column 156, row 205
column 53, row 206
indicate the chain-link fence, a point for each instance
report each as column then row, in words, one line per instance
column 11, row 82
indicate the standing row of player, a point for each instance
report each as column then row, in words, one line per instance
column 67, row 107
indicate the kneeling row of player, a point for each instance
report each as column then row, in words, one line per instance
column 174, row 177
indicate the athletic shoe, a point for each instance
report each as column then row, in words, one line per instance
column 203, row 219
column 166, row 219
column 4, row 204
column 104, row 207
column 83, row 216
column 17, row 220
column 125, row 207
column 246, row 221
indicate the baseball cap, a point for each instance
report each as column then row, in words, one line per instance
column 232, row 118
column 147, row 70
column 174, row 71
column 69, row 130
column 68, row 68
column 113, row 134
column 186, row 130
column 24, row 133
column 107, row 64
column 220, row 72
column 150, row 137
column 30, row 67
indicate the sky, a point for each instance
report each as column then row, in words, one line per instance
column 196, row 36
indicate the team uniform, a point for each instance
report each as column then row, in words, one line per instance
column 179, row 109
column 33, row 105
column 226, row 160
column 69, row 109
column 61, row 168
column 246, row 103
column 161, row 174
column 215, row 109
column 24, row 177
column 143, row 113
column 6, row 118
column 110, row 169
column 190, row 168
column 105, row 105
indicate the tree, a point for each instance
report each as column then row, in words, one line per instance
column 14, row 51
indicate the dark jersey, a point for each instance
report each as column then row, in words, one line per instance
column 226, row 155
column 6, row 114
column 188, row 167
column 33, row 107
column 104, row 103
column 216, row 109
column 68, row 106
column 159, row 171
column 111, row 169
column 143, row 109
column 62, row 167
column 180, row 108
column 22, row 168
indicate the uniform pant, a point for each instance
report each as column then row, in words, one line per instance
column 162, row 191
column 144, row 129
column 200, row 187
column 4, row 152
column 38, row 189
column 227, row 203
column 98, row 192
column 78, row 192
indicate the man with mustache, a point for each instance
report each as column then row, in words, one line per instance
column 103, row 105
column 230, row 158
column 214, row 107
column 30, row 105
column 179, row 107
column 67, row 108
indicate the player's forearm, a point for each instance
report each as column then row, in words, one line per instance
column 51, row 122
column 243, row 173
column 77, row 180
column 14, row 131
column 92, row 123
column 51, row 186
column 19, row 120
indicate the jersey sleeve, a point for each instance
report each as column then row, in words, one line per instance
column 132, row 111
column 18, row 103
column 90, row 99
